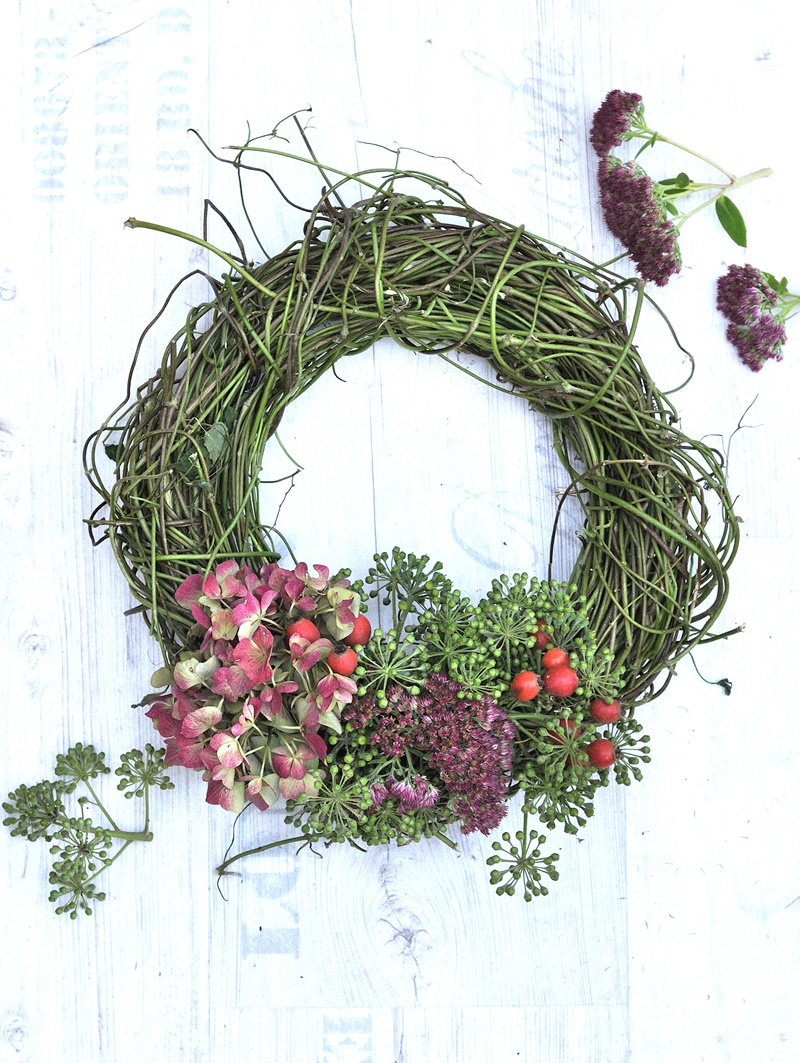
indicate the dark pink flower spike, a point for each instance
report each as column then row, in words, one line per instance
column 613, row 119
column 469, row 745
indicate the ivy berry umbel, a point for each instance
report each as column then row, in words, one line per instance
column 82, row 849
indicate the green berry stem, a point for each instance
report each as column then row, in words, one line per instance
column 115, row 831
column 129, row 836
column 81, row 849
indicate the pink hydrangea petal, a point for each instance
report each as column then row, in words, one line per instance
column 232, row 800
column 317, row 744
column 211, row 588
column 253, row 654
column 189, row 752
column 246, row 610
column 291, row 788
column 190, row 590
column 231, row 683
column 317, row 582
column 227, row 749
column 200, row 720
column 281, row 762
column 201, row 616
column 222, row 625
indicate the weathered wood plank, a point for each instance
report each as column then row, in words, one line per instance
column 673, row 931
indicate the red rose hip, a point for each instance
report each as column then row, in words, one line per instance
column 305, row 628
column 605, row 711
column 561, row 681
column 555, row 658
column 342, row 660
column 525, row 686
column 542, row 637
column 601, row 753
column 359, row 636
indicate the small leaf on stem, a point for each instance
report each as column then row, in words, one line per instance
column 731, row 220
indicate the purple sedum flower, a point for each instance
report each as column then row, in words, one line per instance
column 755, row 313
column 613, row 119
column 637, row 215
column 467, row 744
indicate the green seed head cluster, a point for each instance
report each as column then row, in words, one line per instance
column 82, row 849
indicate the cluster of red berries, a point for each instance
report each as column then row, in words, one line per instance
column 342, row 659
column 560, row 680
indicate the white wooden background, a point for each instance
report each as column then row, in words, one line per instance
column 673, row 933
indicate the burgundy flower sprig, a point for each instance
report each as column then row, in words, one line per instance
column 756, row 305
column 640, row 212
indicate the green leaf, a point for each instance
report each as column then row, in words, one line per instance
column 114, row 451
column 778, row 286
column 162, row 677
column 649, row 143
column 672, row 208
column 215, row 440
column 731, row 220
column 680, row 182
column 186, row 465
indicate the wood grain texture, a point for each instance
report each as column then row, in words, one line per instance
column 673, row 932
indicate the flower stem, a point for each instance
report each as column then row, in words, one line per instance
column 221, row 870
column 135, row 223
column 443, row 838
column 689, row 151
column 736, row 182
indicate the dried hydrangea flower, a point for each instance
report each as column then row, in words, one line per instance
column 756, row 306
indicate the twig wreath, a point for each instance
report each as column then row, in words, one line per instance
column 275, row 685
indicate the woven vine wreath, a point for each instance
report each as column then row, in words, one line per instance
column 275, row 685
